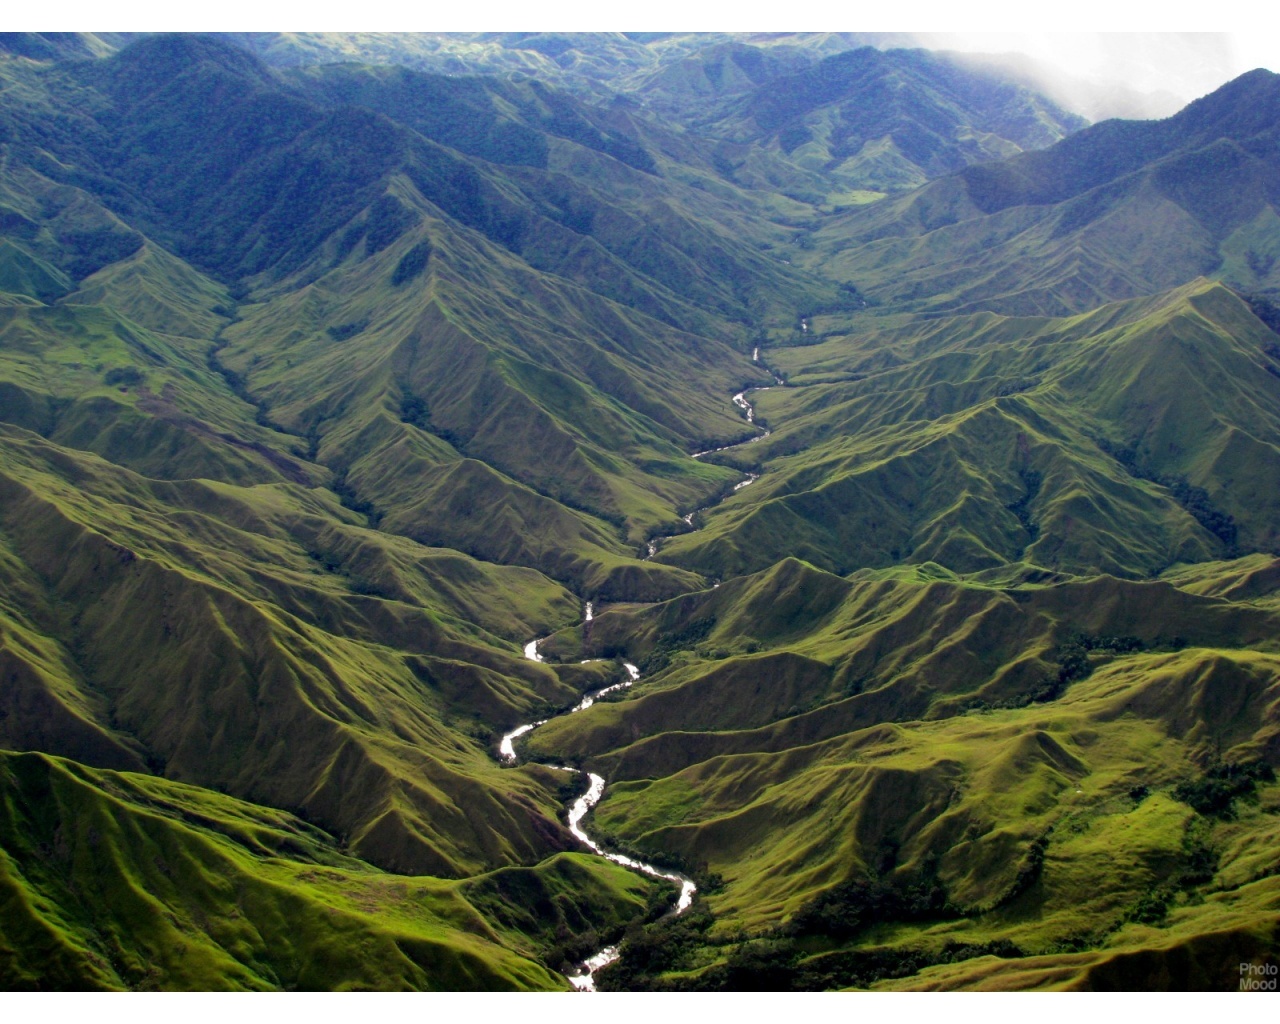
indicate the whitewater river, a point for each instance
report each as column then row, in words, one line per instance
column 743, row 403
column 583, row 977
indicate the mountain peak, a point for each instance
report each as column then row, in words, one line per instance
column 1240, row 108
column 154, row 61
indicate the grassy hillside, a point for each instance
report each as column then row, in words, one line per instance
column 116, row 880
column 1122, row 209
column 325, row 388
column 890, row 772
column 368, row 328
column 885, row 121
column 1125, row 440
column 205, row 623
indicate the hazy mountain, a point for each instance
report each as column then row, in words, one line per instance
column 869, row 119
column 817, row 108
column 1121, row 209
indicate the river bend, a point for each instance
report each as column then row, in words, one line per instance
column 583, row 977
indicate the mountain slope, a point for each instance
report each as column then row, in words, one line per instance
column 1121, row 441
column 206, row 622
column 1121, row 209
column 889, row 120
column 576, row 268
column 893, row 768
column 941, row 534
column 112, row 880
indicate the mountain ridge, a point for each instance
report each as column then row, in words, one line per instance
column 1197, row 188
column 354, row 417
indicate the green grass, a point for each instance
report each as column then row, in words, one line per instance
column 1125, row 440
column 390, row 664
column 112, row 881
column 854, row 197
column 1119, row 210
column 319, row 402
column 962, row 800
column 915, row 730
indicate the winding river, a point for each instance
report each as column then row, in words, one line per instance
column 743, row 403
column 583, row 977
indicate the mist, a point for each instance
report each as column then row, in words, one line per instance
column 1115, row 74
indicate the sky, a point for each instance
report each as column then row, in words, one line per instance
column 1184, row 64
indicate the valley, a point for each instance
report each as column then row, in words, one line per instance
column 583, row 977
column 631, row 512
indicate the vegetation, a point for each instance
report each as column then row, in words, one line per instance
column 1216, row 790
column 319, row 401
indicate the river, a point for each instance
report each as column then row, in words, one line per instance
column 743, row 403
column 583, row 976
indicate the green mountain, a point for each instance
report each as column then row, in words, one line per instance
column 919, row 822
column 1121, row 209
column 941, row 532
column 1124, row 440
column 600, row 65
column 425, row 238
column 114, row 880
column 866, row 119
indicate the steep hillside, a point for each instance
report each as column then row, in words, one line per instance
column 624, row 294
column 416, row 482
column 884, row 121
column 1122, row 441
column 1122, row 209
column 114, row 880
column 899, row 770
column 190, row 626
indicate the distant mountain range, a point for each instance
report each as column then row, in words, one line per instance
column 867, row 119
column 1118, row 210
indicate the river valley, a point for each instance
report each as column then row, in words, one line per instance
column 583, row 977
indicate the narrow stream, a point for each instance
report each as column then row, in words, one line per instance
column 583, row 977
column 742, row 402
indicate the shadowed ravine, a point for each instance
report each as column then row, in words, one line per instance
column 740, row 400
